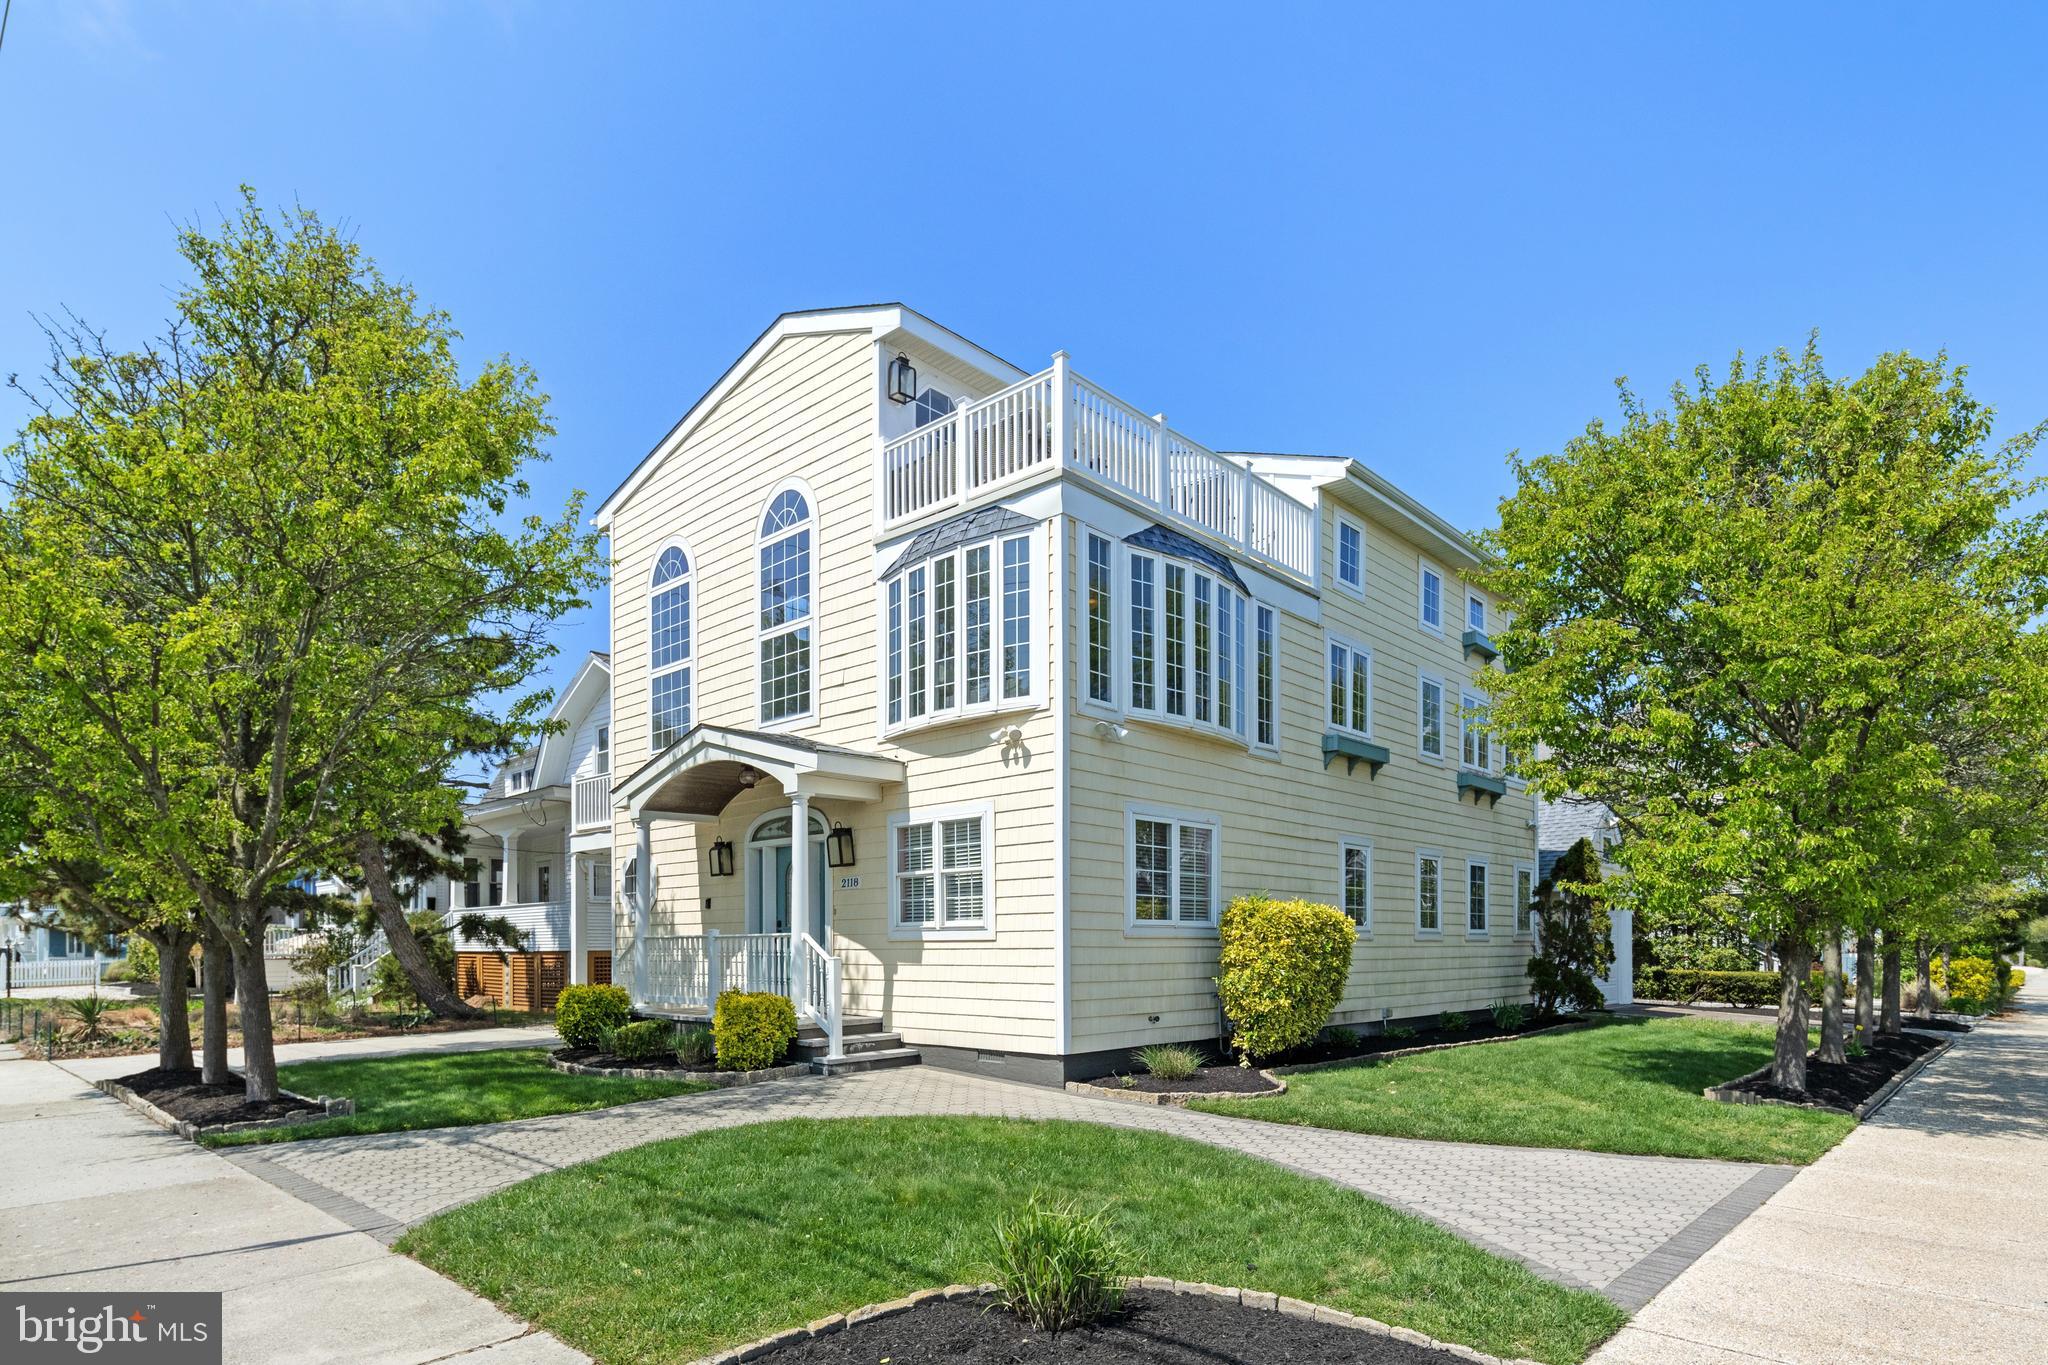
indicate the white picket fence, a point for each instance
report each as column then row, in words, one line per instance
column 58, row 971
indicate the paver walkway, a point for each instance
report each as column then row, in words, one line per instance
column 1582, row 1218
column 1919, row 1237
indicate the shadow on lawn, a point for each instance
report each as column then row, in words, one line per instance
column 1709, row 1056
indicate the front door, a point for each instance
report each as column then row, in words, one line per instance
column 770, row 871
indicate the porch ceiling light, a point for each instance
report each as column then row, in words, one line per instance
column 839, row 847
column 721, row 858
column 902, row 380
column 749, row 775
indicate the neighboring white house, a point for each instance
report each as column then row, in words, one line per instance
column 1044, row 683
column 1560, row 825
column 41, row 953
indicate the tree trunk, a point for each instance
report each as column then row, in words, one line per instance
column 434, row 993
column 213, row 1028
column 1889, row 1019
column 1788, row 1060
column 173, row 999
column 1923, row 979
column 259, row 1059
column 1866, row 988
column 1831, row 1041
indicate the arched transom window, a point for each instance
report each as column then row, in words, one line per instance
column 668, row 647
column 786, row 607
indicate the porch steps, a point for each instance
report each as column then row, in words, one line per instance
column 869, row 1047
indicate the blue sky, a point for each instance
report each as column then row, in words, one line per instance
column 1422, row 239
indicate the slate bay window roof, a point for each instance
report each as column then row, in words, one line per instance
column 1164, row 540
column 969, row 528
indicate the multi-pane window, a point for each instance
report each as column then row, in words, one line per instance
column 668, row 647
column 1144, row 633
column 942, row 868
column 930, row 406
column 1268, row 724
column 1204, row 642
column 1356, row 872
column 1173, row 870
column 1431, row 717
column 1101, row 629
column 1525, row 897
column 1475, row 898
column 785, row 615
column 1478, row 741
column 1176, row 640
column 1429, row 893
column 1229, row 667
column 1475, row 613
column 1350, row 687
column 940, row 632
column 1351, row 555
column 1187, row 657
column 1432, row 598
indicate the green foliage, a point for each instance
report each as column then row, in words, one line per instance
column 389, row 984
column 752, row 1029
column 1401, row 1031
column 1169, row 1061
column 1341, row 1038
column 1967, row 978
column 1453, row 1021
column 1056, row 1267
column 1509, row 1015
column 142, row 958
column 1695, row 952
column 642, row 1041
column 584, row 1013
column 1282, row 968
column 1722, row 988
column 1576, row 935
column 91, row 1013
column 694, row 1045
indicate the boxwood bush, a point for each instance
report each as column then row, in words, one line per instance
column 583, row 1014
column 1724, row 988
column 641, row 1042
column 751, row 1029
column 1282, row 970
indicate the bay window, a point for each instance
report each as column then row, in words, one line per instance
column 939, row 633
column 1188, row 644
column 1017, row 617
column 1100, row 606
column 1144, row 633
column 1173, row 873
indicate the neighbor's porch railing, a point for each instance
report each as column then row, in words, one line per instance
column 1055, row 422
column 591, row 802
column 57, row 971
column 688, row 972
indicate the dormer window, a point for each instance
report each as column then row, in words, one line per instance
column 930, row 406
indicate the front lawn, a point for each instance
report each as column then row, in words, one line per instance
column 676, row 1249
column 1624, row 1085
column 448, row 1090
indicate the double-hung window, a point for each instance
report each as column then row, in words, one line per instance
column 1101, row 609
column 1430, row 717
column 1355, row 876
column 1475, row 613
column 1351, row 555
column 1477, row 740
column 1431, row 605
column 668, row 647
column 785, row 615
column 1525, row 899
column 1350, row 687
column 1173, row 870
column 1429, row 893
column 939, row 633
column 1268, row 684
column 1475, row 899
column 942, row 870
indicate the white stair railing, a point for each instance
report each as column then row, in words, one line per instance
column 688, row 971
column 815, row 990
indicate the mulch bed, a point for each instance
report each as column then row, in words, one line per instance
column 1847, row 1084
column 1937, row 1024
column 1210, row 1080
column 590, row 1056
column 1153, row 1329
column 182, row 1095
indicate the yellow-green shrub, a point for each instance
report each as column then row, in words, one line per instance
column 584, row 1014
column 1969, row 978
column 751, row 1029
column 2017, row 979
column 1282, row 970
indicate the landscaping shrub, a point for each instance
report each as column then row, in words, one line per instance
column 1690, row 987
column 641, row 1042
column 143, row 959
column 751, row 1029
column 583, row 1013
column 1453, row 1021
column 1056, row 1267
column 1399, row 1031
column 1973, row 978
column 1575, row 934
column 1509, row 1015
column 1282, row 968
column 389, row 985
column 1169, row 1061
column 693, row 1044
column 91, row 1012
column 1344, row 1039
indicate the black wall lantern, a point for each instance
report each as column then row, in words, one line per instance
column 721, row 858
column 839, row 847
column 902, row 380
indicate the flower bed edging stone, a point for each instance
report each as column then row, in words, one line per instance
column 1727, row 1094
column 1176, row 1098
column 719, row 1080
column 1255, row 1299
column 331, row 1106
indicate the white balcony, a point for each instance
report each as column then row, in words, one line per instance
column 1056, row 424
column 591, row 803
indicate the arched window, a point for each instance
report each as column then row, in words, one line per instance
column 785, row 651
column 668, row 647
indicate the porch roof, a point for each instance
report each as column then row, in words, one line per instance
column 699, row 774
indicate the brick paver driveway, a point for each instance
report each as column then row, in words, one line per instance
column 1619, row 1224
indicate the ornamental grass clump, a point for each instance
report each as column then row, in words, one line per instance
column 693, row 1044
column 1169, row 1061
column 1056, row 1267
column 1509, row 1015
column 1282, row 965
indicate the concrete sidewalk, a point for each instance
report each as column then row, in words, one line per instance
column 96, row 1197
column 1920, row 1237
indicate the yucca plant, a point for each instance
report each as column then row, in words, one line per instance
column 1509, row 1015
column 1056, row 1267
column 693, row 1045
column 90, row 1012
column 1169, row 1061
column 1453, row 1021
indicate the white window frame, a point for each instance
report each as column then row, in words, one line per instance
column 807, row 622
column 1222, row 594
column 1470, row 735
column 996, row 703
column 687, row 665
column 1473, row 599
column 937, row 817
column 1423, row 855
column 1265, row 628
column 1525, row 918
column 1179, row 820
column 1331, row 643
column 1345, row 848
column 1443, row 725
column 1119, row 639
column 1348, row 523
column 1423, row 573
column 1485, row 869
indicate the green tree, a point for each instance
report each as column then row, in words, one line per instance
column 1575, row 934
column 1741, row 623
column 269, row 575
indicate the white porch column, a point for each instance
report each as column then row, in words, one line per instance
column 643, row 900
column 578, row 971
column 509, row 894
column 800, row 880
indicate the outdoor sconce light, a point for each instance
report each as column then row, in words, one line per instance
column 839, row 847
column 721, row 858
column 902, row 380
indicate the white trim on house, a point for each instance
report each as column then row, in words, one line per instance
column 1347, row 522
column 1177, row 923
column 1477, row 751
column 1436, row 858
column 937, row 870
column 806, row 624
column 1345, row 848
column 1424, row 680
column 1476, row 620
column 1424, row 572
column 1525, row 895
column 686, row 665
column 1483, row 904
column 1345, row 681
column 1265, row 679
column 916, row 584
